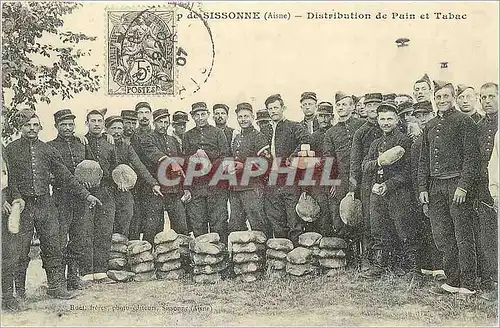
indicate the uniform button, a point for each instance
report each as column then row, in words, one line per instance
column 437, row 162
column 487, row 149
column 435, row 149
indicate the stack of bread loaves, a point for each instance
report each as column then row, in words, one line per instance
column 247, row 250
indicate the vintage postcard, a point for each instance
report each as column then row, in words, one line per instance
column 214, row 163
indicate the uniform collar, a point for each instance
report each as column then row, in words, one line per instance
column 309, row 119
column 93, row 136
column 491, row 117
column 29, row 141
column 250, row 129
column 59, row 138
column 447, row 113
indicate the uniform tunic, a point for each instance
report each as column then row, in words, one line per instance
column 71, row 209
column 247, row 200
column 101, row 217
column 310, row 126
column 449, row 160
column 476, row 117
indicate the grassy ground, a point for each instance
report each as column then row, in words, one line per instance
column 343, row 300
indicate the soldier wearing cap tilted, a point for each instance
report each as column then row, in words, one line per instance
column 221, row 112
column 102, row 218
column 429, row 260
column 308, row 104
column 467, row 101
column 209, row 203
column 487, row 226
column 286, row 138
column 337, row 144
column 390, row 208
column 31, row 163
column 361, row 142
column 160, row 147
column 71, row 209
column 320, row 193
column 129, row 118
column 179, row 121
column 403, row 97
column 422, row 89
column 141, row 192
column 247, row 199
column 125, row 154
column 448, row 166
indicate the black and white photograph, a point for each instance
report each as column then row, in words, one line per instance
column 227, row 163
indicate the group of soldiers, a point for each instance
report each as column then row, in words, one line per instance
column 428, row 213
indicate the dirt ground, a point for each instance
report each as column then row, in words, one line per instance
column 343, row 300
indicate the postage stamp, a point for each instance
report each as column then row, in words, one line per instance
column 165, row 50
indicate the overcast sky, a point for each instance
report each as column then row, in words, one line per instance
column 257, row 58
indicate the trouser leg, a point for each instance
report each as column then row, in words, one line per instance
column 294, row 223
column 124, row 204
column 136, row 223
column 237, row 220
column 276, row 214
column 253, row 205
column 176, row 213
column 365, row 194
column 11, row 247
column 153, row 219
column 217, row 213
column 197, row 212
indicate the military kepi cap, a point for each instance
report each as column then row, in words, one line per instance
column 160, row 113
column 438, row 85
column 308, row 95
column 462, row 87
column 63, row 114
column 263, row 115
column 387, row 106
column 143, row 104
column 243, row 106
column 101, row 112
column 373, row 97
column 422, row 107
column 405, row 107
column 23, row 116
column 180, row 117
column 389, row 97
column 223, row 106
column 199, row 106
column 128, row 114
column 112, row 119
column 325, row 107
column 339, row 95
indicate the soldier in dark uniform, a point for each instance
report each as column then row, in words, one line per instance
column 247, row 199
column 125, row 154
column 31, row 163
column 361, row 142
column 337, row 144
column 405, row 112
column 129, row 118
column 141, row 192
column 221, row 112
column 422, row 89
column 466, row 101
column 71, row 208
column 430, row 260
column 208, row 205
column 324, row 224
column 449, row 164
column 157, row 148
column 102, row 218
column 286, row 138
column 390, row 198
column 179, row 120
column 308, row 104
column 11, row 243
column 487, row 234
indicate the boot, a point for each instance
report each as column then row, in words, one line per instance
column 379, row 267
column 74, row 281
column 57, row 284
column 9, row 302
column 415, row 275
